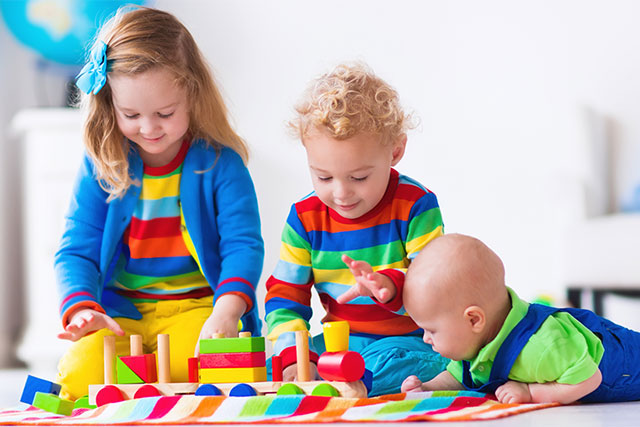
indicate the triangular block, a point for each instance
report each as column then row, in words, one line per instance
column 125, row 375
column 144, row 366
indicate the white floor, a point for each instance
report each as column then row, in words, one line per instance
column 612, row 414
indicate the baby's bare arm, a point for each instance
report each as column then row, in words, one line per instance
column 442, row 381
column 516, row 392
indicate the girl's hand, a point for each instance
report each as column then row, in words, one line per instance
column 223, row 319
column 411, row 384
column 368, row 283
column 85, row 320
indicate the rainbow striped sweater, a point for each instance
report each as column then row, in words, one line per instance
column 314, row 238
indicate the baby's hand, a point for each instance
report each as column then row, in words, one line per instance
column 513, row 392
column 290, row 373
column 86, row 320
column 368, row 283
column 411, row 384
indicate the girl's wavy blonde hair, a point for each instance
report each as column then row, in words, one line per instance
column 140, row 39
column 350, row 100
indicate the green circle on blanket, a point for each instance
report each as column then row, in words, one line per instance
column 289, row 389
column 325, row 389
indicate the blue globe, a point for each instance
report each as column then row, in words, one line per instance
column 59, row 30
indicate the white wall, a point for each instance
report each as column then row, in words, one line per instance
column 501, row 89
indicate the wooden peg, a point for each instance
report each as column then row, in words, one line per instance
column 302, row 355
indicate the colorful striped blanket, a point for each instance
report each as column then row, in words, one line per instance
column 189, row 409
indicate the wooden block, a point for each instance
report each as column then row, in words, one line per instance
column 208, row 390
column 33, row 385
column 125, row 375
column 243, row 390
column 144, row 366
column 302, row 356
column 276, row 368
column 192, row 366
column 341, row 366
column 128, row 391
column 233, row 360
column 146, row 390
column 325, row 389
column 289, row 388
column 107, row 394
column 233, row 375
column 109, row 359
column 232, row 345
column 83, row 402
column 164, row 354
column 52, row 403
column 336, row 336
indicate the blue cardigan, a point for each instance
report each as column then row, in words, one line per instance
column 220, row 211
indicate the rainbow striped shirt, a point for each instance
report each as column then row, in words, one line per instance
column 156, row 261
column 314, row 238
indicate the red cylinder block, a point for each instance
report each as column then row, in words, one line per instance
column 276, row 368
column 192, row 364
column 341, row 366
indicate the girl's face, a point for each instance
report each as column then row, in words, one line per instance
column 152, row 112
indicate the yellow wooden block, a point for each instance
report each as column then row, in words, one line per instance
column 336, row 335
column 233, row 375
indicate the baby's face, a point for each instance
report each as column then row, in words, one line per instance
column 445, row 327
column 349, row 176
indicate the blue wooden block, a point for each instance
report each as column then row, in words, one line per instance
column 243, row 390
column 35, row 384
column 208, row 390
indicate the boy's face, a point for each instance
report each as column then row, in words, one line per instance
column 351, row 176
column 445, row 328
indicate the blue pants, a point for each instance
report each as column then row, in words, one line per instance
column 391, row 360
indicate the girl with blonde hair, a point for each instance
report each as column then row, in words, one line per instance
column 163, row 231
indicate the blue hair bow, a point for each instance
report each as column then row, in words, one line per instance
column 94, row 74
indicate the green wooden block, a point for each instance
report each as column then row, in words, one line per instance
column 232, row 345
column 52, row 403
column 125, row 375
column 289, row 388
column 83, row 402
column 325, row 389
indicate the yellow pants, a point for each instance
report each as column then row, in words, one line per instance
column 83, row 363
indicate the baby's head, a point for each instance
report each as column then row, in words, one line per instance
column 354, row 130
column 455, row 291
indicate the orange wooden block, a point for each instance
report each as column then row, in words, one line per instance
column 143, row 366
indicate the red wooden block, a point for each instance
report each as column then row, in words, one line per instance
column 233, row 360
column 147, row 390
column 143, row 366
column 193, row 369
column 109, row 394
column 341, row 366
column 276, row 368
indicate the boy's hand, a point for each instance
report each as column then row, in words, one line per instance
column 411, row 384
column 290, row 373
column 85, row 320
column 368, row 283
column 513, row 392
column 223, row 319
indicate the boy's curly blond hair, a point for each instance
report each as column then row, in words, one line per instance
column 348, row 101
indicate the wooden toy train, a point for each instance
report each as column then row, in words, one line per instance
column 232, row 367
